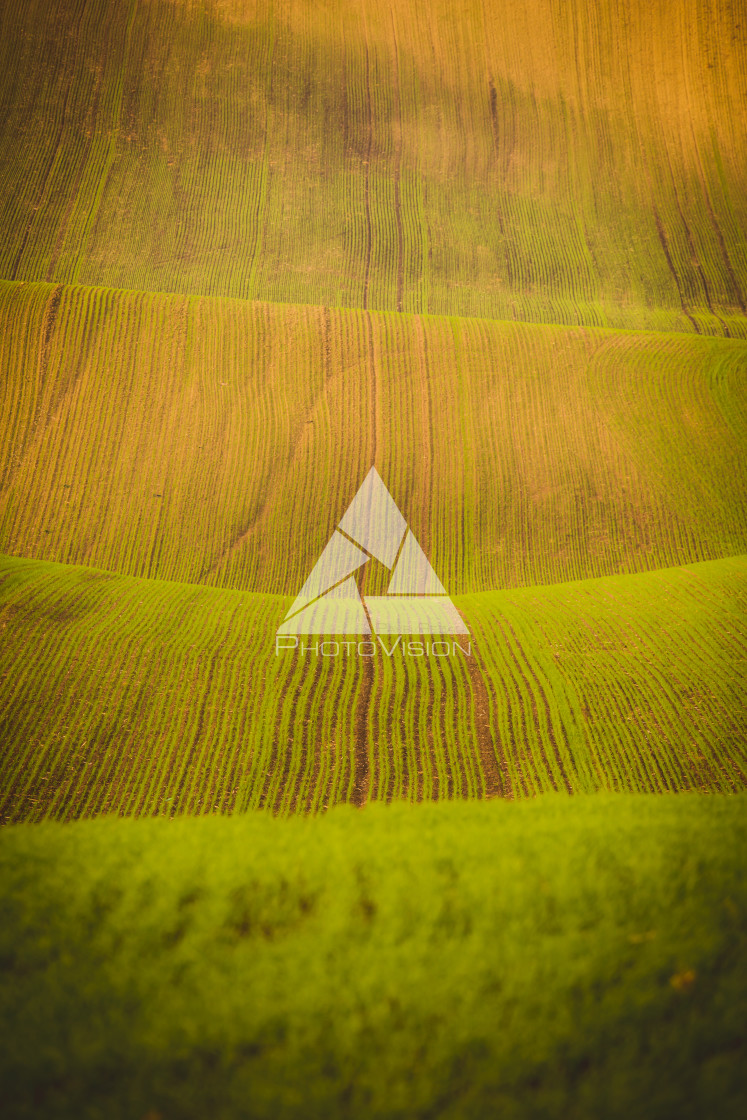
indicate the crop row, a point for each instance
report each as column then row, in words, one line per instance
column 554, row 162
column 219, row 442
column 141, row 696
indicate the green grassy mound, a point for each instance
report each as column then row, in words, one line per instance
column 555, row 958
column 141, row 696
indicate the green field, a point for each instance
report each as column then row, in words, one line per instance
column 219, row 442
column 140, row 696
column 518, row 159
column 496, row 249
column 560, row 957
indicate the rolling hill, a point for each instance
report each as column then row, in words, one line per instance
column 542, row 160
column 218, row 441
column 557, row 956
column 139, row 696
column 250, row 249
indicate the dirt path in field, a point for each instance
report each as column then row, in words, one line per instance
column 497, row 782
column 362, row 779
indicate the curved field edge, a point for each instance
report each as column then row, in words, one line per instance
column 552, row 161
column 129, row 696
column 562, row 956
column 220, row 441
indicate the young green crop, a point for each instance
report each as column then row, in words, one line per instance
column 219, row 442
column 146, row 697
column 563, row 162
column 557, row 957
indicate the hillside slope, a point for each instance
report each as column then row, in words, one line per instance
column 219, row 441
column 557, row 958
column 138, row 696
column 547, row 160
column 249, row 250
